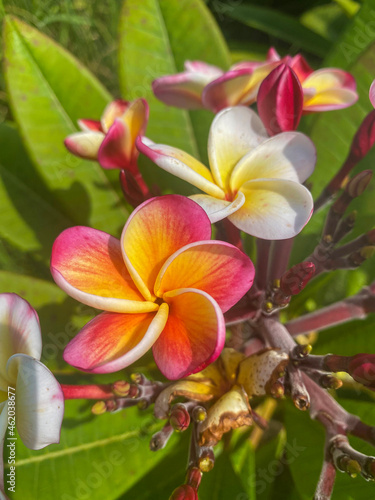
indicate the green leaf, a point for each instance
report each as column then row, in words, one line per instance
column 327, row 20
column 49, row 90
column 156, row 37
column 305, row 464
column 98, row 457
column 29, row 221
column 332, row 132
column 280, row 25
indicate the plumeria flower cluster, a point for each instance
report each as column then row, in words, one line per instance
column 204, row 86
column 31, row 399
column 210, row 318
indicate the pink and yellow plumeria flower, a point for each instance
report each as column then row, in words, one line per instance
column 202, row 87
column 164, row 285
column 325, row 89
column 111, row 140
column 254, row 180
column 34, row 394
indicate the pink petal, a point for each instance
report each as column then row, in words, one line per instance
column 88, row 265
column 300, row 66
column 215, row 267
column 372, row 93
column 194, row 334
column 110, row 342
column 182, row 90
column 115, row 150
column 229, row 90
column 155, row 230
column 87, row 125
column 208, row 70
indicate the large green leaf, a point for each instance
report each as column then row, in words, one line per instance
column 282, row 26
column 157, row 36
column 30, row 221
column 98, row 457
column 49, row 90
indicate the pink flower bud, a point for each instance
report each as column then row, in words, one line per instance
column 280, row 100
column 362, row 369
column 184, row 492
column 296, row 278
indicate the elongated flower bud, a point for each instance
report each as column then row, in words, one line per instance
column 280, row 100
column 296, row 278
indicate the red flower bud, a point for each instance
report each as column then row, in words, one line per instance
column 184, row 492
column 362, row 368
column 364, row 139
column 280, row 100
column 180, row 418
column 296, row 278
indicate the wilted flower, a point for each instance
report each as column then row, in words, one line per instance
column 30, row 396
column 165, row 285
column 254, row 180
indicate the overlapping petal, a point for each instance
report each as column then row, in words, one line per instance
column 289, row 155
column 85, row 144
column 88, row 265
column 218, row 209
column 19, row 332
column 215, row 267
column 334, row 89
column 155, row 230
column 183, row 90
column 181, row 164
column 87, row 125
column 112, row 341
column 118, row 147
column 39, row 401
column 114, row 110
column 274, row 209
column 193, row 336
column 233, row 133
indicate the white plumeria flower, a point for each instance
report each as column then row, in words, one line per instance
column 255, row 181
column 39, row 400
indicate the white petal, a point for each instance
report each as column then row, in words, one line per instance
column 39, row 402
column 274, row 209
column 289, row 155
column 181, row 164
column 234, row 132
column 218, row 209
column 19, row 332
